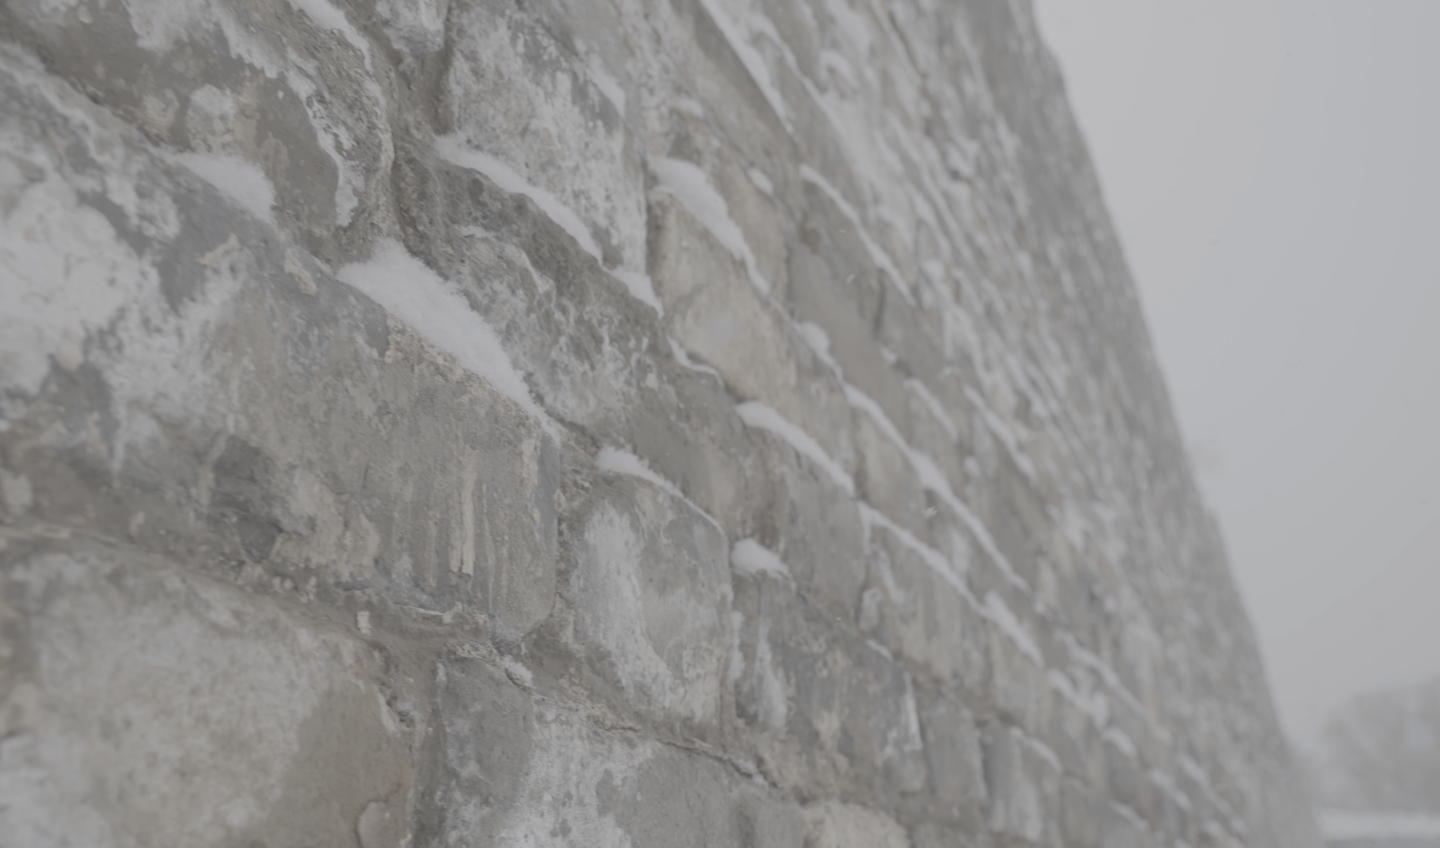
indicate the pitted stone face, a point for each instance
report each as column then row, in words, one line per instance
column 464, row 422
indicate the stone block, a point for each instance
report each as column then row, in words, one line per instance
column 1075, row 740
column 931, row 835
column 522, row 773
column 836, row 288
column 832, row 824
column 1123, row 829
column 1125, row 776
column 1023, row 789
column 649, row 582
column 833, row 714
column 716, row 312
column 953, row 753
column 1082, row 814
column 884, row 476
column 593, row 353
column 237, row 400
column 273, row 94
column 1018, row 686
column 813, row 525
column 521, row 95
column 914, row 608
column 936, row 432
column 148, row 705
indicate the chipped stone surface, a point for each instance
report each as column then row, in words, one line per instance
column 652, row 422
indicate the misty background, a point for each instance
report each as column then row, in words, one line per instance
column 1272, row 169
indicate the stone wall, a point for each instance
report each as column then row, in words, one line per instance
column 591, row 422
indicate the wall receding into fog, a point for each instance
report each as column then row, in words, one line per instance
column 565, row 422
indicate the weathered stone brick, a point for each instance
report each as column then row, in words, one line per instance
column 649, row 582
column 135, row 688
column 1022, row 788
column 830, row 824
column 833, row 713
column 813, row 525
column 516, row 772
column 953, row 753
column 914, row 608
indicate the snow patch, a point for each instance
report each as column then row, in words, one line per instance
column 434, row 308
column 762, row 417
column 517, row 671
column 238, row 179
column 618, row 461
column 606, row 82
column 641, row 288
column 878, row 254
column 1121, row 740
column 1000, row 614
column 327, row 16
column 761, row 181
column 752, row 60
column 686, row 362
column 936, row 408
column 753, row 559
column 457, row 152
column 685, row 182
column 819, row 342
column 931, row 557
column 933, row 479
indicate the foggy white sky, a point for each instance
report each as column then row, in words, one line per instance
column 1272, row 168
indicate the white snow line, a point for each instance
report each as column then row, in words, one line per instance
column 1120, row 739
column 1045, row 752
column 754, row 64
column 454, row 150
column 1169, row 788
column 612, row 460
column 878, row 254
column 1130, row 816
column 517, row 670
column 933, row 479
column 762, row 417
column 997, row 611
column 753, row 559
column 238, row 179
column 606, row 82
column 1004, row 433
column 435, row 309
column 819, row 341
column 761, row 181
column 686, row 362
column 641, row 288
column 937, row 409
column 1094, row 706
column 687, row 183
column 327, row 16
column 936, row 560
column 880, row 649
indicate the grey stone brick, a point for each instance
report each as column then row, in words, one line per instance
column 833, row 714
column 650, row 587
column 136, row 689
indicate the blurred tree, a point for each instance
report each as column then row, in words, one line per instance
column 1382, row 751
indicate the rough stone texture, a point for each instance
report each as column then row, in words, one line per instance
column 651, row 422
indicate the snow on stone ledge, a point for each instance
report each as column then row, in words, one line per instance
column 416, row 295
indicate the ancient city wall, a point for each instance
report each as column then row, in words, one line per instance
column 591, row 422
